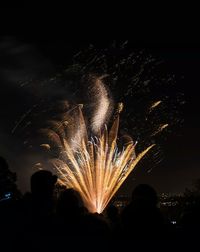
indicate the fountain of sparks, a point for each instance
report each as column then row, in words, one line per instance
column 96, row 168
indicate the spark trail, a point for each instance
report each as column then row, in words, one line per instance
column 154, row 105
column 161, row 128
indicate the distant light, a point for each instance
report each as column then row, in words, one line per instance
column 8, row 195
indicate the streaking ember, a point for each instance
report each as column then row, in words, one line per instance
column 161, row 128
column 154, row 105
column 46, row 146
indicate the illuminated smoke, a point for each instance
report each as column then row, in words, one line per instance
column 102, row 105
column 78, row 131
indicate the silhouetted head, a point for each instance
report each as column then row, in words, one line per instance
column 69, row 202
column 145, row 194
column 3, row 163
column 112, row 212
column 42, row 183
column 95, row 225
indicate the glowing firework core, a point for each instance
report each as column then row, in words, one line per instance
column 97, row 168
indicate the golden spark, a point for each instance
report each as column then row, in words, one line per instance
column 161, row 128
column 45, row 146
column 154, row 105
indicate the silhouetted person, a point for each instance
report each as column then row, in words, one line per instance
column 96, row 232
column 38, row 209
column 190, row 217
column 8, row 188
column 69, row 212
column 113, row 218
column 96, row 225
column 76, row 225
column 42, row 184
column 112, row 212
column 190, row 221
column 41, row 197
column 9, row 197
column 141, row 219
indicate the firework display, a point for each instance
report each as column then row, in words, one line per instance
column 74, row 122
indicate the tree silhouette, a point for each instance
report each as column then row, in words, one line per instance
column 8, row 188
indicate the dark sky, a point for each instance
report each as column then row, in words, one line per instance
column 34, row 43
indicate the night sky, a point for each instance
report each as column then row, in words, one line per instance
column 43, row 47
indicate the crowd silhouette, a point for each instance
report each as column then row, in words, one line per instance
column 43, row 220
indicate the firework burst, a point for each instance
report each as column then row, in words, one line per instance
column 97, row 168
